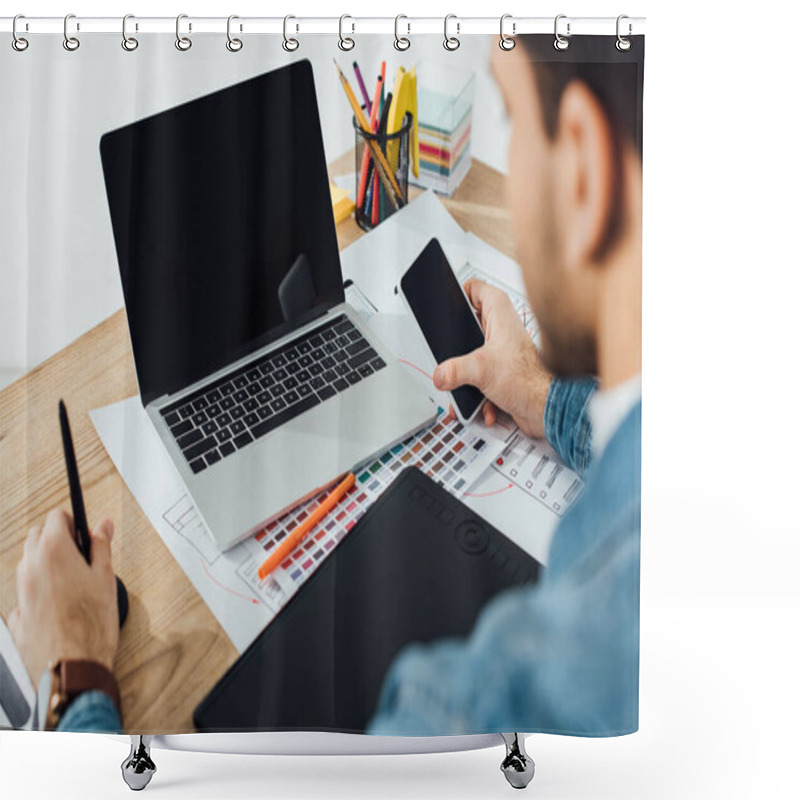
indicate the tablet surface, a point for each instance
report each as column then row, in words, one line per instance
column 418, row 566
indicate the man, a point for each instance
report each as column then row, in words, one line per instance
column 560, row 657
column 67, row 609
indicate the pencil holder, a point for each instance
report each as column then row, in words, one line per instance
column 373, row 193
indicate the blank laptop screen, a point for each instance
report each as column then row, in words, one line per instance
column 211, row 203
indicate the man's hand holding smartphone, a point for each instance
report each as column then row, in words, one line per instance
column 506, row 368
column 478, row 342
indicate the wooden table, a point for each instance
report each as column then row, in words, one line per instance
column 172, row 650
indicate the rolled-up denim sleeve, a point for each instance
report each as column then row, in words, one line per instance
column 566, row 421
column 91, row 711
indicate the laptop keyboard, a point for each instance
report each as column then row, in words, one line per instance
column 247, row 404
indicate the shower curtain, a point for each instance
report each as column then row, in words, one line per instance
column 176, row 212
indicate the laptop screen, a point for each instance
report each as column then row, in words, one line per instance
column 212, row 204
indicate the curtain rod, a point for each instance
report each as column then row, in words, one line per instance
column 349, row 25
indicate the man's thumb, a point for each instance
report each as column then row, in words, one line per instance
column 106, row 527
column 101, row 541
column 458, row 371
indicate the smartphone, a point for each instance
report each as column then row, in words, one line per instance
column 445, row 316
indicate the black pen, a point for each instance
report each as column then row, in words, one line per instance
column 82, row 538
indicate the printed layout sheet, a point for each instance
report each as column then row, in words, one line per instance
column 518, row 484
column 228, row 581
column 529, row 488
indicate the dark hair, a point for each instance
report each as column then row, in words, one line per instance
column 614, row 77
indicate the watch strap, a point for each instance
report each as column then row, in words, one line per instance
column 71, row 677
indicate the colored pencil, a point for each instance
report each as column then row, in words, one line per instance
column 373, row 125
column 382, row 142
column 376, row 200
column 384, row 170
column 299, row 533
column 382, row 209
column 362, row 86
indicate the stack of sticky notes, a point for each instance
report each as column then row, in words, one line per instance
column 444, row 99
column 343, row 206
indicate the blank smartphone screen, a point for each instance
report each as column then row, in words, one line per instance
column 443, row 315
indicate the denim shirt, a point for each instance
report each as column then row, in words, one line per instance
column 561, row 657
column 91, row 711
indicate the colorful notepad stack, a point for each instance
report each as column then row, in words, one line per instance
column 444, row 97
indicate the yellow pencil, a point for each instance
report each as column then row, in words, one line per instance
column 382, row 165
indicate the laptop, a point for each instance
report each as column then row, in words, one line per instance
column 262, row 382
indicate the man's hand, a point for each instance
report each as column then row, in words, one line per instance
column 66, row 607
column 507, row 368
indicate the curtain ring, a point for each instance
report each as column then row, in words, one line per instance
column 623, row 44
column 18, row 42
column 401, row 42
column 70, row 42
column 233, row 44
column 183, row 43
column 506, row 42
column 346, row 42
column 560, row 42
column 289, row 44
column 451, row 42
column 129, row 43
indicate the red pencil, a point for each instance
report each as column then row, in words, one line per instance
column 373, row 122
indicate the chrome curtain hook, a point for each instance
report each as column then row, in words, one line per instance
column 233, row 44
column 401, row 42
column 346, row 42
column 181, row 42
column 129, row 43
column 70, row 42
column 506, row 42
column 560, row 42
column 623, row 44
column 451, row 42
column 18, row 42
column 289, row 44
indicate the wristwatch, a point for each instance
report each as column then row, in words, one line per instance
column 66, row 678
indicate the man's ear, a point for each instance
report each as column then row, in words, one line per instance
column 585, row 174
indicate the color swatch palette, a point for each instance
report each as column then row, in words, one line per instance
column 452, row 455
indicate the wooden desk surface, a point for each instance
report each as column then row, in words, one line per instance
column 172, row 650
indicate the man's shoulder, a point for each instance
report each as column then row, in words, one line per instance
column 609, row 506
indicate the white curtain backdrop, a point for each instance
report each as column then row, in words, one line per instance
column 55, row 234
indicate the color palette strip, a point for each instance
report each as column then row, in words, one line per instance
column 451, row 454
